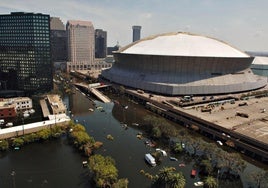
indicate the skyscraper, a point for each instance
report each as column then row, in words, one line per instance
column 58, row 37
column 81, row 45
column 100, row 43
column 25, row 59
column 136, row 33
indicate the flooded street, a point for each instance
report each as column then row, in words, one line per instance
column 57, row 164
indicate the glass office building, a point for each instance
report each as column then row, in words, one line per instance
column 25, row 57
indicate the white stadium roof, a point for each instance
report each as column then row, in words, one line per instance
column 260, row 60
column 182, row 44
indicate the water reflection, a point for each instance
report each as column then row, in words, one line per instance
column 49, row 164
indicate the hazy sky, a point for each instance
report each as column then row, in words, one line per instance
column 241, row 23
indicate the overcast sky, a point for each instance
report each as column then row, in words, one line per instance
column 241, row 23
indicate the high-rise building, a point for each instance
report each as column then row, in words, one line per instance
column 81, row 45
column 100, row 43
column 58, row 37
column 25, row 58
column 136, row 33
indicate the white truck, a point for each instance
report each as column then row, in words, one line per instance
column 150, row 159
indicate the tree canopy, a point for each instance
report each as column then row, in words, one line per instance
column 4, row 145
column 167, row 177
column 104, row 170
column 210, row 182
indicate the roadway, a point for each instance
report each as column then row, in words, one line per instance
column 95, row 91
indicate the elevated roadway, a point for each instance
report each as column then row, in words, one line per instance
column 248, row 135
column 94, row 90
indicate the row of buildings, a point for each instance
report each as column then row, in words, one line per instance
column 52, row 106
column 30, row 43
column 10, row 107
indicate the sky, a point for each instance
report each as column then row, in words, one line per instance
column 241, row 23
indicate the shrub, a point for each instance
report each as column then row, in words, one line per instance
column 4, row 145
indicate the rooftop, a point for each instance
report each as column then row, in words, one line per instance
column 183, row 44
column 79, row 22
column 260, row 60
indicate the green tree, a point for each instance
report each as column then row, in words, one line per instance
column 44, row 134
column 56, row 131
column 177, row 148
column 121, row 183
column 157, row 125
column 165, row 174
column 231, row 162
column 29, row 138
column 167, row 177
column 196, row 143
column 156, row 132
column 17, row 142
column 206, row 166
column 71, row 124
column 80, row 138
column 152, row 120
column 210, row 182
column 4, row 145
column 177, row 180
column 167, row 129
column 104, row 170
column 79, row 127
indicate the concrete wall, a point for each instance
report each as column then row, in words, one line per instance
column 26, row 129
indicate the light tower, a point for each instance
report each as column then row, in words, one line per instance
column 136, row 33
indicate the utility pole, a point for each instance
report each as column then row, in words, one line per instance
column 13, row 173
column 23, row 126
column 218, row 178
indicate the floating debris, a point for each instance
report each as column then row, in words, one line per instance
column 84, row 163
column 173, row 158
column 139, row 136
column 110, row 137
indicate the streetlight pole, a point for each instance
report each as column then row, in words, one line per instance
column 23, row 126
column 218, row 178
column 13, row 173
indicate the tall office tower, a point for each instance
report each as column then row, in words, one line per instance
column 58, row 38
column 136, row 33
column 25, row 59
column 81, row 45
column 100, row 43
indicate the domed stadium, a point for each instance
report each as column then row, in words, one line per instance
column 183, row 64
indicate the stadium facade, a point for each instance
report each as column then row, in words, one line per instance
column 183, row 64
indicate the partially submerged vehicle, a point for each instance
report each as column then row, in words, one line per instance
column 150, row 159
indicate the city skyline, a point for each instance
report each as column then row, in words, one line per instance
column 239, row 23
